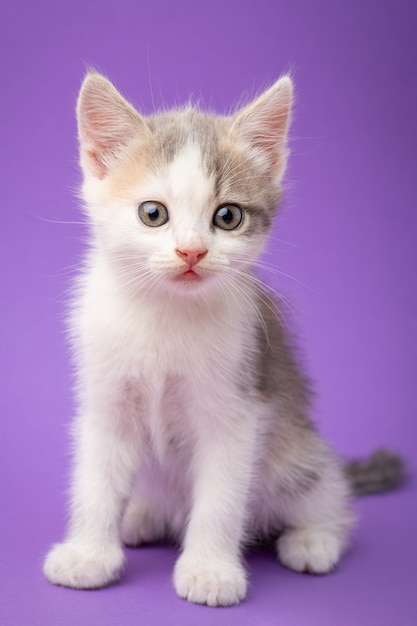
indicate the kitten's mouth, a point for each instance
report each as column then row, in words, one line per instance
column 189, row 275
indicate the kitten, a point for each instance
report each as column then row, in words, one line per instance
column 193, row 418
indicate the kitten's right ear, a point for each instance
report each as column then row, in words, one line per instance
column 264, row 124
column 106, row 124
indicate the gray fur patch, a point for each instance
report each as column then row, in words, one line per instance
column 237, row 178
column 299, row 481
column 279, row 375
column 382, row 471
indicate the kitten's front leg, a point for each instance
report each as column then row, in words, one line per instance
column 106, row 459
column 210, row 570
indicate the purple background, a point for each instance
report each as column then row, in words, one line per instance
column 349, row 220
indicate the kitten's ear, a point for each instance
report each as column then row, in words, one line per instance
column 106, row 124
column 264, row 124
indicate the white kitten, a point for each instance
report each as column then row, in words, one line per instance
column 193, row 416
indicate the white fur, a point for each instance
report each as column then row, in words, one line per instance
column 164, row 434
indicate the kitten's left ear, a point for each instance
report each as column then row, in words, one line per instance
column 264, row 124
column 107, row 123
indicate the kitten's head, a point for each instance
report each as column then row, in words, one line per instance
column 181, row 200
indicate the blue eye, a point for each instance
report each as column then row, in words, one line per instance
column 228, row 217
column 153, row 213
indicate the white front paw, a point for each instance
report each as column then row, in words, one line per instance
column 71, row 566
column 309, row 550
column 214, row 582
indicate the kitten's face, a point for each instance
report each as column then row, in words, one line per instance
column 181, row 201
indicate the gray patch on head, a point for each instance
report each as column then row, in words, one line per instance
column 259, row 222
column 169, row 136
column 236, row 176
column 235, row 173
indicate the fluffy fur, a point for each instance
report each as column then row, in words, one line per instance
column 193, row 419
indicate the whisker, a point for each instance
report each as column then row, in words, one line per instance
column 275, row 270
column 229, row 282
column 262, row 293
column 49, row 221
column 69, row 269
column 287, row 243
column 251, row 300
column 276, row 294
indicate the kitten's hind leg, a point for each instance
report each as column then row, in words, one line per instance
column 317, row 521
column 312, row 550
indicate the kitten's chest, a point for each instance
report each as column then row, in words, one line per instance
column 182, row 368
column 160, row 342
column 182, row 344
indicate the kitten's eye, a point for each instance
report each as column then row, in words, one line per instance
column 153, row 213
column 228, row 217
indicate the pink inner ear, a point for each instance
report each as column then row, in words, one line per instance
column 270, row 125
column 95, row 165
column 95, row 128
column 106, row 123
column 103, row 135
column 264, row 124
column 269, row 134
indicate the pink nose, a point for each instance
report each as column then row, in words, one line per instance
column 191, row 257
